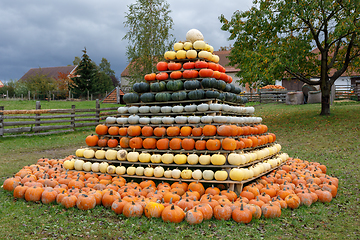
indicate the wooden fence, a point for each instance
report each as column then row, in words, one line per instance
column 267, row 96
column 14, row 123
column 343, row 92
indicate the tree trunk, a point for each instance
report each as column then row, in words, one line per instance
column 325, row 98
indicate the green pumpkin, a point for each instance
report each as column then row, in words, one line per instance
column 206, row 83
column 228, row 88
column 196, row 94
column 245, row 100
column 221, row 96
column 141, row 87
column 212, row 94
column 179, row 96
column 158, row 86
column 192, row 85
column 237, row 90
column 221, row 85
column 131, row 97
column 163, row 97
column 147, row 97
column 175, row 85
column 230, row 97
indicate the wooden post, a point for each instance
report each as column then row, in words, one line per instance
column 73, row 117
column 97, row 113
column 1, row 121
column 22, row 96
column 7, row 94
column 29, row 95
column 117, row 95
column 91, row 97
column 88, row 95
column 70, row 95
column 38, row 107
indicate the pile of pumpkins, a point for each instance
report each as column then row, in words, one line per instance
column 296, row 183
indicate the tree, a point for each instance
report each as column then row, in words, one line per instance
column 149, row 35
column 77, row 60
column 85, row 76
column 105, row 67
column 275, row 39
column 41, row 84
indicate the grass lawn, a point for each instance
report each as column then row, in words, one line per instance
column 333, row 140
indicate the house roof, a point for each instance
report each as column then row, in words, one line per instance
column 224, row 61
column 1, row 84
column 49, row 71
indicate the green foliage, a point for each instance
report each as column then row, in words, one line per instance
column 102, row 83
column 41, row 84
column 105, row 67
column 149, row 35
column 275, row 38
column 77, row 60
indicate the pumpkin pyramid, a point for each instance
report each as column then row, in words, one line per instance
column 187, row 122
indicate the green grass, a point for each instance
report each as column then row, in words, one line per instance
column 332, row 140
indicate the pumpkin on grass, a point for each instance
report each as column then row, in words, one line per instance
column 173, row 213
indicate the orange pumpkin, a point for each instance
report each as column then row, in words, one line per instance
column 175, row 144
column 188, row 143
column 160, row 131
column 123, row 131
column 228, row 144
column 213, row 144
column 185, row 131
column 113, row 130
column 92, row 140
column 200, row 145
column 209, row 130
column 173, row 131
column 124, row 142
column 162, row 144
column 135, row 142
column 147, row 131
column 134, row 131
column 196, row 131
column 101, row 129
column 149, row 143
column 224, row 130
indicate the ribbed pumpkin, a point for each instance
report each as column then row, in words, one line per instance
column 228, row 144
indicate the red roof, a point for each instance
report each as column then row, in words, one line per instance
column 50, row 71
column 1, row 84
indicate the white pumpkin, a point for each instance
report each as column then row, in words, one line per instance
column 103, row 167
column 234, row 159
column 178, row 46
column 149, row 171
column 110, row 120
column 144, row 120
column 181, row 119
column 144, row 109
column 199, row 45
column 190, row 108
column 181, row 54
column 193, row 159
column 95, row 167
column 176, row 173
column 111, row 154
column 221, row 175
column 100, row 154
column 205, row 159
column 122, row 110
column 197, row 174
column 155, row 158
column 177, row 109
column 203, row 107
column 144, row 157
column 121, row 155
column 226, row 108
column 122, row 120
column 167, row 158
column 206, row 119
column 87, row 166
column 193, row 35
column 186, row 174
column 89, row 153
column 168, row 120
column 159, row 171
column 215, row 58
column 80, row 152
column 155, row 109
column 208, row 175
column 120, row 170
column 139, row 171
column 131, row 170
column 215, row 107
column 156, row 120
column 132, row 156
column 133, row 109
column 191, row 54
column 134, row 119
column 168, row 173
column 218, row 159
column 78, row 164
column 236, row 174
column 111, row 169
column 220, row 119
column 166, row 109
column 170, row 55
column 68, row 164
column 187, row 45
column 180, row 158
column 194, row 119
column 205, row 54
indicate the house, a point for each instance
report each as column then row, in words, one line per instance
column 1, row 84
column 52, row 72
column 224, row 61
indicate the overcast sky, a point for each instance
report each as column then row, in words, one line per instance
column 47, row 33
